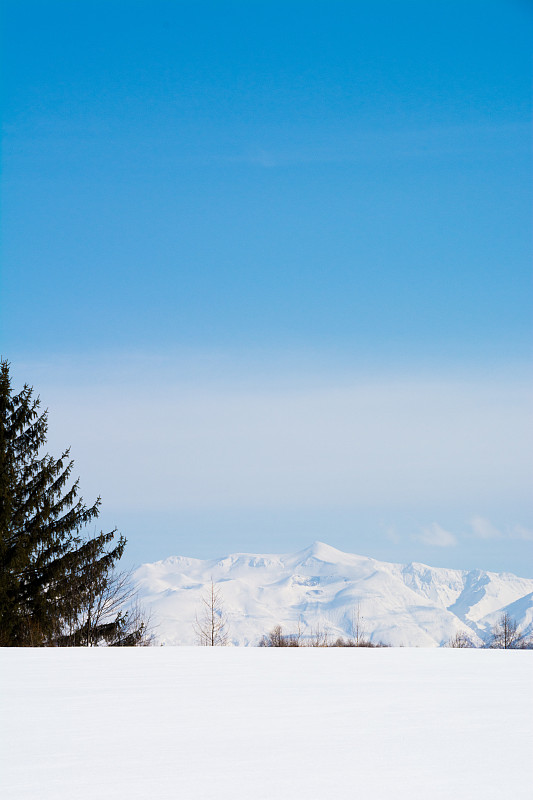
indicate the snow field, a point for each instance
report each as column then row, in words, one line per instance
column 265, row 724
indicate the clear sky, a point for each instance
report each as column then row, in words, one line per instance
column 269, row 267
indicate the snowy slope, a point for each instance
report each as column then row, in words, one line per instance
column 220, row 723
column 322, row 588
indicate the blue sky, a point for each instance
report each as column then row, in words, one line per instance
column 318, row 214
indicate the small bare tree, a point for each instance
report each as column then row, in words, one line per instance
column 319, row 638
column 111, row 614
column 211, row 629
column 460, row 640
column 298, row 636
column 358, row 629
column 506, row 635
column 276, row 638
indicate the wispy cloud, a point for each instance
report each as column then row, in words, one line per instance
column 521, row 532
column 436, row 536
column 484, row 529
column 392, row 534
column 323, row 144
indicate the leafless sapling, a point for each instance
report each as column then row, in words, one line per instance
column 212, row 628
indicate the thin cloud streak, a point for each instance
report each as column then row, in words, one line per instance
column 348, row 442
column 484, row 529
column 521, row 532
column 436, row 536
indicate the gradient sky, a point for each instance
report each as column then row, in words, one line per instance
column 269, row 267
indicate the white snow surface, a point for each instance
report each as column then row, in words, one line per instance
column 321, row 588
column 205, row 723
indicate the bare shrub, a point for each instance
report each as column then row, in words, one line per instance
column 276, row 638
column 460, row 640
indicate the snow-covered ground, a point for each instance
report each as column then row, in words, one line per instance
column 266, row 724
column 322, row 588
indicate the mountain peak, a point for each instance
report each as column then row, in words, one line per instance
column 322, row 552
column 320, row 586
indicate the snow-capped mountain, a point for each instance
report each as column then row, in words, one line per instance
column 322, row 588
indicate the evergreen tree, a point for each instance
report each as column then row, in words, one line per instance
column 52, row 578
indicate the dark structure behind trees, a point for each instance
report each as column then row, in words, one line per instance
column 57, row 587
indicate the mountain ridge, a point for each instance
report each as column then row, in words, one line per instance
column 321, row 587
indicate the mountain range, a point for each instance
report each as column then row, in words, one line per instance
column 322, row 589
